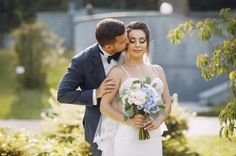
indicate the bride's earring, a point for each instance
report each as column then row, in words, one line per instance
column 146, row 58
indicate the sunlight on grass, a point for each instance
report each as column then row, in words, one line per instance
column 212, row 146
column 8, row 79
column 29, row 104
column 5, row 104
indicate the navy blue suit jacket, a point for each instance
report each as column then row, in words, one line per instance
column 86, row 72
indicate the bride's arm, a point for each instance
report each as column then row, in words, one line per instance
column 106, row 107
column 166, row 100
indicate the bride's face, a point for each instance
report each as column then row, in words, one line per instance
column 137, row 43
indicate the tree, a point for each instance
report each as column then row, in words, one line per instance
column 222, row 61
column 15, row 12
column 35, row 47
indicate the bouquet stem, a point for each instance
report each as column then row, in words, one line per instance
column 143, row 134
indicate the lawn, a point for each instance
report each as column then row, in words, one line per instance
column 214, row 110
column 16, row 102
column 212, row 146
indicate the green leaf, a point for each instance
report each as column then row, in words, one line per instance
column 148, row 80
column 126, row 117
column 154, row 85
column 221, row 131
column 231, row 27
column 173, row 37
column 129, row 112
column 117, row 99
column 199, row 24
column 136, row 81
column 162, row 106
column 225, row 13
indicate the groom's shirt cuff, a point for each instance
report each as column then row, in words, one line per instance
column 94, row 97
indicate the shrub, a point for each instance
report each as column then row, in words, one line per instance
column 62, row 135
column 35, row 46
column 13, row 144
column 64, row 123
column 175, row 142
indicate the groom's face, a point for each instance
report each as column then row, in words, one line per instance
column 120, row 43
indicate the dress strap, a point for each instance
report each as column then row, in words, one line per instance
column 153, row 67
column 125, row 70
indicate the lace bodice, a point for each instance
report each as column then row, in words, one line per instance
column 128, row 82
column 159, row 86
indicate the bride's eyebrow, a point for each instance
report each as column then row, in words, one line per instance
column 142, row 38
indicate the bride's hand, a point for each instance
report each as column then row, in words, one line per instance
column 153, row 125
column 138, row 121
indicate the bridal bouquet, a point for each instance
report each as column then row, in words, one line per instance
column 140, row 97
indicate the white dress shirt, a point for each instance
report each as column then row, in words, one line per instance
column 107, row 68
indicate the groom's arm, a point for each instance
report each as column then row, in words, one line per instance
column 68, row 91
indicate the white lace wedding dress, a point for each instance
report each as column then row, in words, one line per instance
column 117, row 139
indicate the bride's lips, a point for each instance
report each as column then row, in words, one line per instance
column 137, row 51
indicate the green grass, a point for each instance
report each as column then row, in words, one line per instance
column 19, row 103
column 213, row 111
column 212, row 146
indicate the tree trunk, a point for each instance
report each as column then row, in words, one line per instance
column 5, row 40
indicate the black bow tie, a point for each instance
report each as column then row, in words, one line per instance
column 114, row 57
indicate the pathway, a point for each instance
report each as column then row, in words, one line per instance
column 197, row 125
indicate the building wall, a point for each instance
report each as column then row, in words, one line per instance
column 178, row 61
column 60, row 23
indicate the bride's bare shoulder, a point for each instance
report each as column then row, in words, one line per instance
column 159, row 69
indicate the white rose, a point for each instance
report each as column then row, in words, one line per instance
column 137, row 97
column 137, row 85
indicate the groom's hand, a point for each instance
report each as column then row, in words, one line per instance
column 105, row 87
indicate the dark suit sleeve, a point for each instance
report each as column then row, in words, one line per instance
column 68, row 90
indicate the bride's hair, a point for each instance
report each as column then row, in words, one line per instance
column 140, row 26
column 137, row 25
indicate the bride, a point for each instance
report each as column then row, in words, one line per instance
column 116, row 136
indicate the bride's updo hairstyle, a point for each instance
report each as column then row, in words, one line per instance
column 136, row 25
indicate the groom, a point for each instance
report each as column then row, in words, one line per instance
column 88, row 72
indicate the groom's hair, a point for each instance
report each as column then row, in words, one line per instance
column 107, row 29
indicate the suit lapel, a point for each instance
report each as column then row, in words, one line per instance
column 98, row 65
